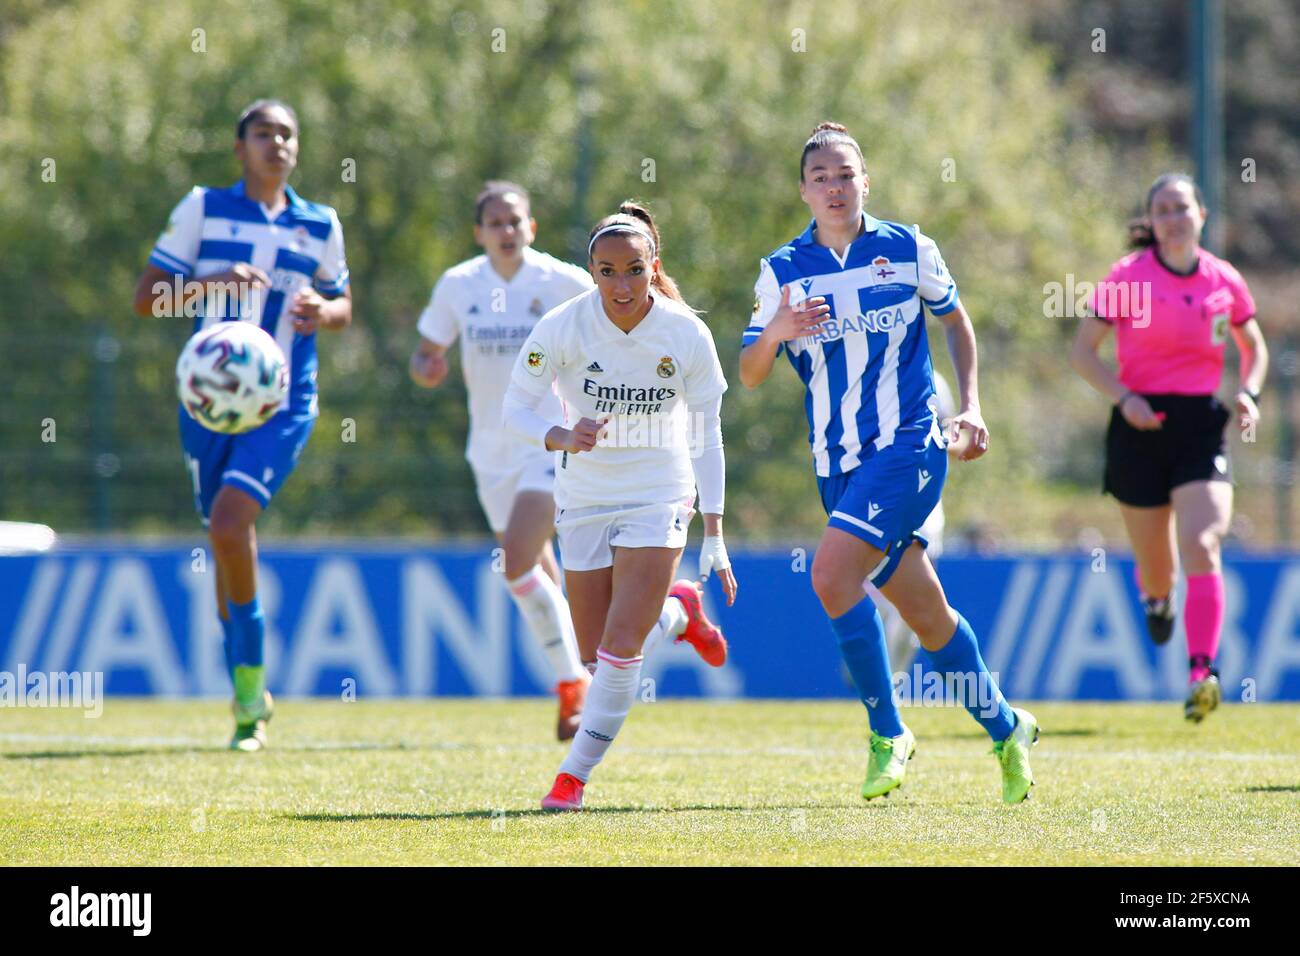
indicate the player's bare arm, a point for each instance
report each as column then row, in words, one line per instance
column 1085, row 360
column 960, row 332
column 1254, row 367
column 154, row 280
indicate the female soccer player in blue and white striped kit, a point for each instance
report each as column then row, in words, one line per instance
column 844, row 301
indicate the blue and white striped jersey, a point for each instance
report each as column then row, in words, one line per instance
column 298, row 246
column 867, row 369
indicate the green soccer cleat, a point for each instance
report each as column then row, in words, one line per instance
column 250, row 728
column 1202, row 697
column 1013, row 756
column 887, row 763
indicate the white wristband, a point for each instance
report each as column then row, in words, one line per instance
column 713, row 556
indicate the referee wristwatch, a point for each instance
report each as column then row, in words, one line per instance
column 1254, row 396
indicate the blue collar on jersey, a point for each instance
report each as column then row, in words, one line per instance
column 870, row 223
column 292, row 197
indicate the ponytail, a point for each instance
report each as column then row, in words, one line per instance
column 1140, row 233
column 639, row 222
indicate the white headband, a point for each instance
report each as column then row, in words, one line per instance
column 622, row 227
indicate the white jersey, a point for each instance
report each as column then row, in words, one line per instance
column 640, row 381
column 493, row 318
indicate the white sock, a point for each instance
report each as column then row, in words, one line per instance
column 609, row 698
column 672, row 622
column 543, row 606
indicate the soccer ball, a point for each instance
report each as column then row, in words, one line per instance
column 232, row 377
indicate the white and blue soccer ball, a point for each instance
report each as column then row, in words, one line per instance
column 232, row 377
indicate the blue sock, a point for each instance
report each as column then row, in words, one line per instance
column 228, row 643
column 862, row 642
column 249, row 627
column 962, row 666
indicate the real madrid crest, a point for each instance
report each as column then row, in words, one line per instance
column 537, row 308
column 666, row 367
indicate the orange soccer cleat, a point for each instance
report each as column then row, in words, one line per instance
column 566, row 794
column 700, row 632
column 573, row 694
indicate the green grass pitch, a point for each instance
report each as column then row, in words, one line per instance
column 750, row 782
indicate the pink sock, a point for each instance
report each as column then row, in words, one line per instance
column 1203, row 619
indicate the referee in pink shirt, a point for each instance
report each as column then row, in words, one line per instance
column 1172, row 306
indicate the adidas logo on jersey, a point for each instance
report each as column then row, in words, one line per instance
column 922, row 479
column 594, row 367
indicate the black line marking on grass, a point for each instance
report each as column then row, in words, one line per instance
column 197, row 749
column 1282, row 788
column 77, row 754
column 980, row 735
column 489, row 814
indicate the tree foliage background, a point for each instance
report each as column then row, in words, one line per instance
column 996, row 127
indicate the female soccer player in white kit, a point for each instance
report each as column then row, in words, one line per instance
column 491, row 303
column 639, row 378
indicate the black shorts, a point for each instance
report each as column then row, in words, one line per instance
column 1142, row 467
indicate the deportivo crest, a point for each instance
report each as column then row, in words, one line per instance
column 536, row 360
column 536, row 308
column 881, row 268
column 666, row 367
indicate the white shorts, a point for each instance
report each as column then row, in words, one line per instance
column 497, row 490
column 588, row 536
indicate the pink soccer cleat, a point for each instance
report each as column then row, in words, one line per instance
column 566, row 794
column 700, row 632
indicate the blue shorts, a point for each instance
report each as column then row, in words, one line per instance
column 255, row 462
column 886, row 499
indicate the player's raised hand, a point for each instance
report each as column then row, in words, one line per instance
column 244, row 273
column 307, row 310
column 796, row 321
column 428, row 369
column 583, row 436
